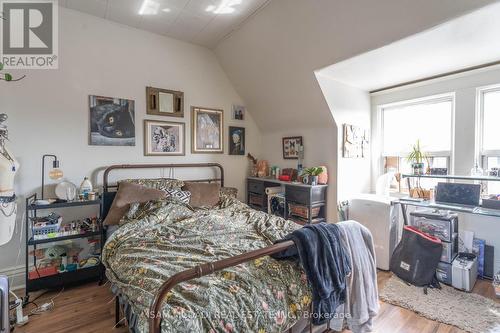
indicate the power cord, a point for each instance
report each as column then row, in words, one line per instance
column 48, row 306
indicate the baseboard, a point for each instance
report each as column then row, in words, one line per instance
column 15, row 275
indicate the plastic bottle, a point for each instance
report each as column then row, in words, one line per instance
column 85, row 187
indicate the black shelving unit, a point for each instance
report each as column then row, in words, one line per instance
column 64, row 278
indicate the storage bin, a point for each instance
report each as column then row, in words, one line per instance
column 302, row 211
column 450, row 249
column 443, row 272
column 255, row 199
column 438, row 224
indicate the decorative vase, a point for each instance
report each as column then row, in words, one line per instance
column 323, row 176
column 418, row 168
column 262, row 168
column 313, row 180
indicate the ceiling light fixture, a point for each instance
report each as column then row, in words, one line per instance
column 225, row 7
column 149, row 7
column 166, row 10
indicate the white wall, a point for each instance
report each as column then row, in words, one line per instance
column 464, row 86
column 350, row 106
column 48, row 110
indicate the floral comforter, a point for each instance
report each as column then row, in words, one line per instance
column 263, row 295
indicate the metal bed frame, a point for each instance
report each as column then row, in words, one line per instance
column 197, row 271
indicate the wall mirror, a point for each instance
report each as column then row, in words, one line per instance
column 164, row 102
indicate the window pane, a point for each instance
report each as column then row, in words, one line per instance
column 493, row 162
column 429, row 122
column 439, row 162
column 491, row 119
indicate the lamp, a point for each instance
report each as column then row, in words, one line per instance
column 54, row 173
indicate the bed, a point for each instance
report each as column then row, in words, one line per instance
column 179, row 269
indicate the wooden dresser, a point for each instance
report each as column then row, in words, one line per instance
column 303, row 203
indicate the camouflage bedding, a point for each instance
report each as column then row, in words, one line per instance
column 263, row 295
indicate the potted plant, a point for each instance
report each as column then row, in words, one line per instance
column 312, row 174
column 416, row 158
column 7, row 76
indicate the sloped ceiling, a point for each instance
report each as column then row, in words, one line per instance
column 271, row 59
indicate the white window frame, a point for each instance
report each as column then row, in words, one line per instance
column 482, row 154
column 450, row 155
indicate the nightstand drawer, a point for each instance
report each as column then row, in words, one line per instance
column 298, row 194
column 255, row 186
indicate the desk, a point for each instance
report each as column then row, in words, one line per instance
column 444, row 206
column 309, row 196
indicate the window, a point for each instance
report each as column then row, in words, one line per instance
column 489, row 134
column 428, row 120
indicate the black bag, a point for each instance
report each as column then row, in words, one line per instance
column 416, row 258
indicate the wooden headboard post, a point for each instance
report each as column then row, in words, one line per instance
column 165, row 166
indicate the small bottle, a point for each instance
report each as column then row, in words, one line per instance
column 85, row 187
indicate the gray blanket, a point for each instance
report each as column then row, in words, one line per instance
column 361, row 304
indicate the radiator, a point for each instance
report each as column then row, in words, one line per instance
column 4, row 305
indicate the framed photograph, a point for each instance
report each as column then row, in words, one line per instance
column 236, row 140
column 239, row 112
column 355, row 142
column 164, row 138
column 206, row 130
column 291, row 146
column 112, row 121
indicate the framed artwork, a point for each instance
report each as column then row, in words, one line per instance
column 355, row 142
column 236, row 140
column 163, row 102
column 206, row 130
column 112, row 121
column 291, row 146
column 164, row 138
column 239, row 112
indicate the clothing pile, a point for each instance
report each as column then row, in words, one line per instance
column 339, row 261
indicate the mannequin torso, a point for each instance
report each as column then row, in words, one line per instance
column 8, row 170
column 8, row 206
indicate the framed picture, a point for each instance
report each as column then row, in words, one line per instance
column 206, row 130
column 291, row 146
column 236, row 140
column 164, row 138
column 112, row 121
column 239, row 112
column 355, row 142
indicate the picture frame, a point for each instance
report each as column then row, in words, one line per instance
column 207, row 130
column 112, row 121
column 355, row 142
column 164, row 102
column 236, row 140
column 238, row 112
column 290, row 147
column 164, row 138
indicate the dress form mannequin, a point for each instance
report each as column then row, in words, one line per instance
column 8, row 169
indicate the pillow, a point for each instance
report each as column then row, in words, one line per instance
column 158, row 183
column 182, row 196
column 202, row 194
column 127, row 194
column 139, row 209
column 229, row 191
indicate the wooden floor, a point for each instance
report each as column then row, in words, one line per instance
column 90, row 308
